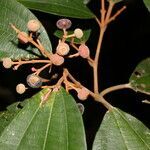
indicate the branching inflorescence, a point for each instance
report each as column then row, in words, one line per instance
column 61, row 52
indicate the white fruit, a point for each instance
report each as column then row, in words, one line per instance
column 34, row 81
column 78, row 33
column 62, row 49
column 20, row 88
column 33, row 25
column 7, row 63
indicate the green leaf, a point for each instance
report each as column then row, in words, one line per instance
column 13, row 12
column 140, row 78
column 86, row 35
column 55, row 126
column 147, row 4
column 121, row 131
column 67, row 8
column 7, row 116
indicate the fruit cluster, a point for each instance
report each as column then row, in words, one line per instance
column 57, row 58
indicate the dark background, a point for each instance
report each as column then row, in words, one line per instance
column 125, row 44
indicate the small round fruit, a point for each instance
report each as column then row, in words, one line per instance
column 63, row 24
column 20, row 88
column 78, row 33
column 22, row 37
column 33, row 25
column 7, row 63
column 56, row 59
column 81, row 108
column 84, row 51
column 83, row 93
column 62, row 49
column 34, row 81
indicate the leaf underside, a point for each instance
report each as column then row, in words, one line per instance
column 140, row 78
column 56, row 125
column 13, row 12
column 121, row 131
column 66, row 8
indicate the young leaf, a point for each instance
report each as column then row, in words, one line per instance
column 86, row 35
column 121, row 131
column 56, row 125
column 67, row 8
column 147, row 4
column 13, row 12
column 140, row 78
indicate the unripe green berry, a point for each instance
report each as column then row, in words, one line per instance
column 62, row 49
column 56, row 59
column 84, row 51
column 33, row 25
column 22, row 37
column 7, row 63
column 83, row 93
column 34, row 81
column 20, row 88
column 78, row 33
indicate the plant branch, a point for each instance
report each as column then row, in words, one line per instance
column 40, row 47
column 97, row 97
column 103, row 12
column 109, row 11
column 116, row 15
column 95, row 66
column 20, row 62
column 146, row 101
column 41, row 69
column 103, row 23
column 114, row 88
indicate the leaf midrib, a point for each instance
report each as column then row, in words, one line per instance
column 65, row 118
column 48, row 124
